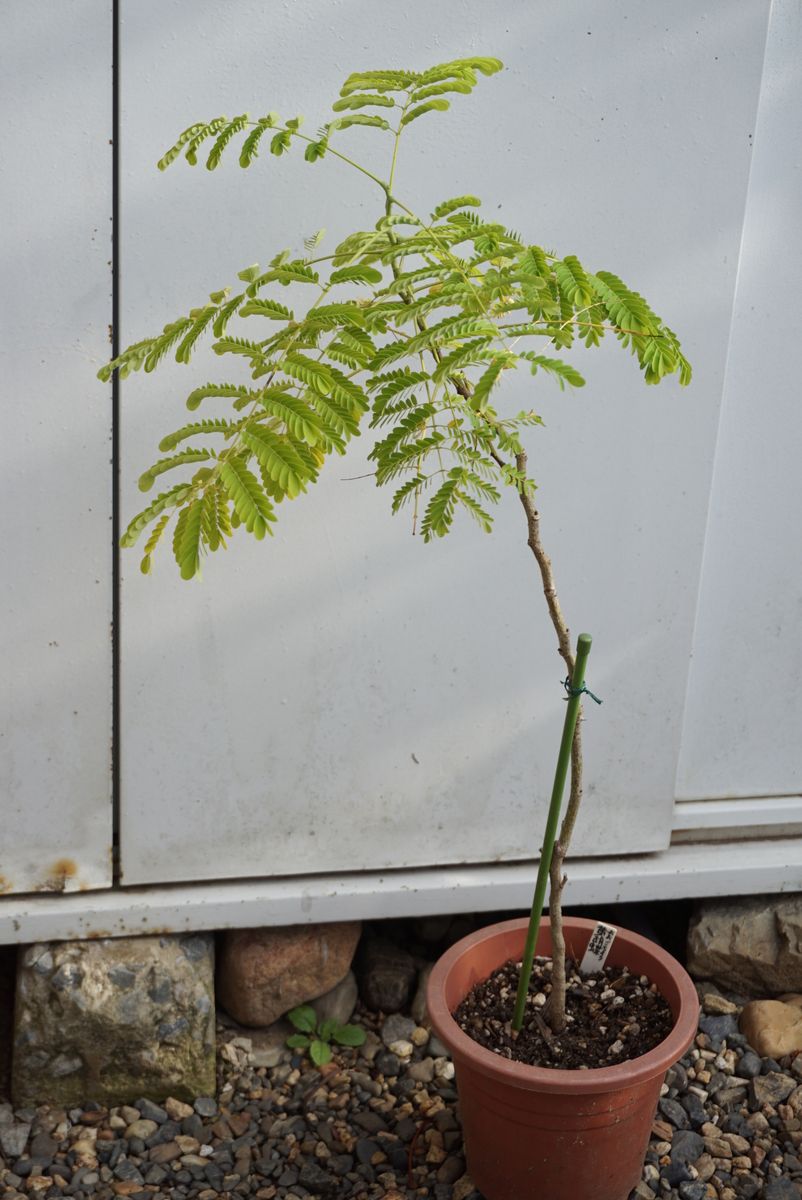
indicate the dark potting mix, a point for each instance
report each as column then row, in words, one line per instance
column 611, row 1017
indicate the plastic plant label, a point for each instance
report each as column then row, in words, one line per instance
column 599, row 945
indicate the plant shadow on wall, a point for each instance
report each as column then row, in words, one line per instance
column 411, row 328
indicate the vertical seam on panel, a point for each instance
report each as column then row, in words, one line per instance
column 115, row 436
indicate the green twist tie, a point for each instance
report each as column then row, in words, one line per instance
column 572, row 691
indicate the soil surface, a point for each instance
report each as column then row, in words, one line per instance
column 612, row 1016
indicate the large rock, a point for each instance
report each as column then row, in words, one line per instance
column 752, row 945
column 263, row 973
column 386, row 974
column 773, row 1027
column 114, row 1020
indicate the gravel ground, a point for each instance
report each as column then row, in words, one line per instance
column 381, row 1122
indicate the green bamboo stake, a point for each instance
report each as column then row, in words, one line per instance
column 575, row 690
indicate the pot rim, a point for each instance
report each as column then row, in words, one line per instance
column 554, row 1079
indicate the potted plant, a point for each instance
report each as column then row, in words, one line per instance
column 409, row 327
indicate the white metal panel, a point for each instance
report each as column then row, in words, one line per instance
column 742, row 733
column 730, row 868
column 345, row 698
column 55, row 308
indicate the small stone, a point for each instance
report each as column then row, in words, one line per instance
column 151, row 1111
column 444, row 1069
column 686, row 1146
column 205, row 1106
column 396, row 1028
column 677, row 1077
column 451, row 1170
column 419, row 1036
column 186, row 1144
column 387, row 1063
column 165, row 1152
column 365, row 1149
column 749, row 1065
column 128, row 1172
column 642, row 1191
column 675, row 1173
column 141, row 1129
column 317, row 1180
column 177, row 1110
column 780, row 1189
column 695, row 1190
column 423, row 1071
column 673, row 1111
column 402, row 1048
column 773, row 1027
column 463, row 1189
column 718, row 1028
column 14, row 1138
column 772, row 1088
column 718, row 1005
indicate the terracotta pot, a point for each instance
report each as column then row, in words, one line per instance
column 536, row 1133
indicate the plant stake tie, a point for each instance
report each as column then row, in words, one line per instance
column 575, row 689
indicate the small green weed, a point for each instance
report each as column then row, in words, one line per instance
column 317, row 1038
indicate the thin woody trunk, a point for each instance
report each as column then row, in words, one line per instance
column 555, row 1012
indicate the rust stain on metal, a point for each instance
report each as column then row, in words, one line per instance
column 5, row 885
column 56, row 881
column 95, row 934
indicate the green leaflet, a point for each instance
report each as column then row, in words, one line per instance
column 201, row 322
column 447, row 207
column 266, row 308
column 315, row 374
column 407, row 490
column 429, row 106
column 279, row 458
column 439, row 514
column 148, row 478
column 206, row 131
column 360, row 119
column 573, row 282
column 251, row 504
column 359, row 273
column 250, row 147
column 159, row 346
column 234, row 345
column 213, row 523
column 300, row 419
column 413, row 422
column 226, row 390
column 475, row 351
column 563, row 372
column 438, row 89
column 378, row 81
column 169, row 499
column 354, row 100
column 410, row 454
column 489, row 378
column 280, row 142
column 172, row 154
column 222, row 140
column 187, row 542
column 152, row 542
